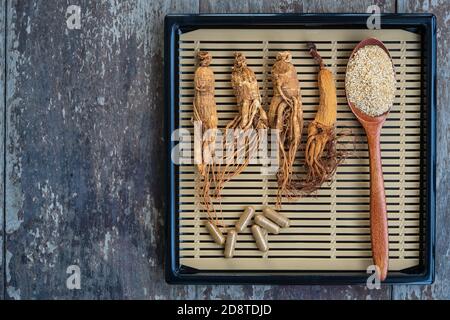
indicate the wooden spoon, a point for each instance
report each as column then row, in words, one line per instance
column 378, row 214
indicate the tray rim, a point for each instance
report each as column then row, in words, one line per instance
column 176, row 24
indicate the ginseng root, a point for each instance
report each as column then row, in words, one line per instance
column 242, row 128
column 205, row 117
column 286, row 115
column 321, row 155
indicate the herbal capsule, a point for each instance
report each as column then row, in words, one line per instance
column 215, row 233
column 260, row 238
column 276, row 217
column 245, row 218
column 230, row 244
column 266, row 224
column 265, row 234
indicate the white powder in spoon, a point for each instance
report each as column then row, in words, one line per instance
column 370, row 81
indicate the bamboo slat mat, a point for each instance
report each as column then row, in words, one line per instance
column 329, row 231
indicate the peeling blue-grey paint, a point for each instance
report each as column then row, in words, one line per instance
column 13, row 293
column 7, row 270
column 84, row 151
column 441, row 288
column 2, row 129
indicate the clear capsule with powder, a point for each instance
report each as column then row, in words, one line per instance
column 230, row 243
column 245, row 219
column 215, row 233
column 260, row 237
column 276, row 217
column 267, row 224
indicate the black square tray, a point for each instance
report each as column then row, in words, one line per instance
column 425, row 24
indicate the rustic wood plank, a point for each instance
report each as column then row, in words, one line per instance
column 290, row 292
column 250, row 6
column 440, row 289
column 85, row 151
column 441, row 9
column 359, row 6
column 2, row 129
column 293, row 6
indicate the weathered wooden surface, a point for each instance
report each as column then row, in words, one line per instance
column 2, row 130
column 84, row 149
column 441, row 288
column 292, row 6
column 85, row 152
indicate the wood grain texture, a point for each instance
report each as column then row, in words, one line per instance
column 2, row 130
column 291, row 292
column 359, row 6
column 292, row 6
column 378, row 211
column 85, row 150
column 250, row 6
column 441, row 288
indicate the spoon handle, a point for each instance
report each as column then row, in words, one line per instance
column 378, row 213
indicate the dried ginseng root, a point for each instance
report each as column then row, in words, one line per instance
column 286, row 115
column 251, row 117
column 321, row 155
column 205, row 114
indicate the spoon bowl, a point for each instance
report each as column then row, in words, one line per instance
column 361, row 116
column 378, row 211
